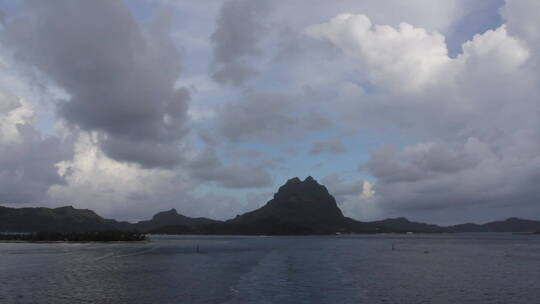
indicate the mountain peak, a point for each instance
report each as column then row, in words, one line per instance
column 294, row 180
column 69, row 207
column 399, row 219
column 168, row 215
column 306, row 203
column 310, row 179
column 309, row 189
column 72, row 211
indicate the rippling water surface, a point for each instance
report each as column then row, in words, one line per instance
column 460, row 268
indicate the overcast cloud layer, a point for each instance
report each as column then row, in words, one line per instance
column 419, row 109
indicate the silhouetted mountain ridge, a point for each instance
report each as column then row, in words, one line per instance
column 62, row 219
column 402, row 224
column 172, row 218
column 512, row 224
column 297, row 208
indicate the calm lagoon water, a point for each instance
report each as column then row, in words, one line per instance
column 459, row 268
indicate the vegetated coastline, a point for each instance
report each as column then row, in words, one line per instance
column 75, row 237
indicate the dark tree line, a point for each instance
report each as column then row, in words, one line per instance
column 98, row 236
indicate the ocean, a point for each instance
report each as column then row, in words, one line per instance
column 441, row 268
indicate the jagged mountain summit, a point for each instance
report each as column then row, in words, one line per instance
column 304, row 203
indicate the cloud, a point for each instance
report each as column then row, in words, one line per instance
column 522, row 23
column 442, row 136
column 489, row 175
column 15, row 113
column 236, row 40
column 206, row 166
column 27, row 159
column 354, row 196
column 408, row 60
column 465, row 96
column 95, row 181
column 120, row 190
column 341, row 187
column 424, row 161
column 119, row 75
column 257, row 114
column 477, row 111
column 267, row 116
column 333, row 146
column 404, row 58
column 521, row 20
column 440, row 17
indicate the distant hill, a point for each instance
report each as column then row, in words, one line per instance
column 172, row 218
column 512, row 224
column 298, row 208
column 402, row 224
column 69, row 219
column 63, row 219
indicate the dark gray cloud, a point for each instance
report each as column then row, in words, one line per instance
column 332, row 146
column 240, row 29
column 261, row 114
column 432, row 179
column 267, row 115
column 2, row 18
column 120, row 76
column 423, row 161
column 28, row 165
column 207, row 166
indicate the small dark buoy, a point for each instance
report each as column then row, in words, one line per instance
column 198, row 251
column 426, row 251
column 393, row 248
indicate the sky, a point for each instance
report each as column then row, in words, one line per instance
column 423, row 109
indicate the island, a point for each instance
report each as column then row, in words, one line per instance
column 299, row 207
